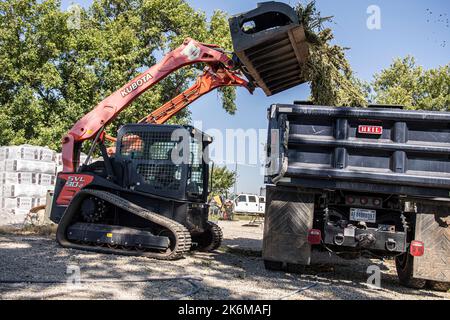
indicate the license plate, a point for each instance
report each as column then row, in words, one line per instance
column 365, row 215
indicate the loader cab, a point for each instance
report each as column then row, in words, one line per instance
column 165, row 160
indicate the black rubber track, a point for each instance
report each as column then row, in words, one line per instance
column 181, row 234
column 211, row 239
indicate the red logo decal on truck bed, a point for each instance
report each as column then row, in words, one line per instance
column 366, row 129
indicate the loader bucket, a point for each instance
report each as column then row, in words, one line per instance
column 271, row 46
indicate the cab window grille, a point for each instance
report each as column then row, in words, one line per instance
column 147, row 145
column 195, row 182
column 154, row 151
column 161, row 176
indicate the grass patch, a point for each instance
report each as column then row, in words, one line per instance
column 240, row 252
column 237, row 217
column 243, row 217
column 213, row 217
column 46, row 230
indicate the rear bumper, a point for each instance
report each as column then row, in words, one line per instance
column 383, row 241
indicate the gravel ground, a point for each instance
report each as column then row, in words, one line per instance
column 236, row 272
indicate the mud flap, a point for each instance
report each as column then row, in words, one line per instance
column 433, row 229
column 271, row 44
column 288, row 217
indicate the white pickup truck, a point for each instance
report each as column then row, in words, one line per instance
column 249, row 203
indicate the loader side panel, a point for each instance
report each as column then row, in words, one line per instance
column 288, row 217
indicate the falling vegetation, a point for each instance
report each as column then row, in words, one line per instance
column 330, row 75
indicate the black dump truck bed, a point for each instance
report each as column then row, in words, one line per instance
column 377, row 149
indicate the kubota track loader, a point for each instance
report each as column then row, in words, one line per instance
column 148, row 196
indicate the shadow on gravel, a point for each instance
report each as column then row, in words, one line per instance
column 243, row 243
column 39, row 258
column 337, row 278
column 30, row 259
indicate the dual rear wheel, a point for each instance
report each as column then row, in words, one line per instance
column 405, row 267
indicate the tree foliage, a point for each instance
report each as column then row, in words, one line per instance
column 330, row 75
column 333, row 82
column 51, row 75
column 222, row 180
column 405, row 83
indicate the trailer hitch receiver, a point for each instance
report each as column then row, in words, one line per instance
column 271, row 46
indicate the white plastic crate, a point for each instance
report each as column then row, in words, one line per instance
column 83, row 158
column 40, row 201
column 26, row 174
column 17, row 177
column 14, row 217
column 59, row 168
column 45, row 179
column 25, row 203
column 24, row 152
column 58, row 159
column 47, row 155
column 29, row 166
column 24, row 190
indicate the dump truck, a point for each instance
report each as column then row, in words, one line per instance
column 359, row 182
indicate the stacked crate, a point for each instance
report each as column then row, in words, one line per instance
column 26, row 173
column 59, row 161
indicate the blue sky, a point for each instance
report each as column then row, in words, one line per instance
column 408, row 27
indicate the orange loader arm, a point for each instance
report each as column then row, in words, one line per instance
column 213, row 77
column 91, row 126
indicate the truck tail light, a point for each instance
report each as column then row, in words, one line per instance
column 416, row 248
column 350, row 200
column 314, row 236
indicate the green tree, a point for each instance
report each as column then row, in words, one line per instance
column 405, row 83
column 51, row 74
column 222, row 180
column 328, row 71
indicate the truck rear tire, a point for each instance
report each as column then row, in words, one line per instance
column 439, row 286
column 289, row 267
column 405, row 263
column 405, row 266
column 273, row 265
column 295, row 268
column 432, row 227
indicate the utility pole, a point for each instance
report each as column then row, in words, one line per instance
column 236, row 176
